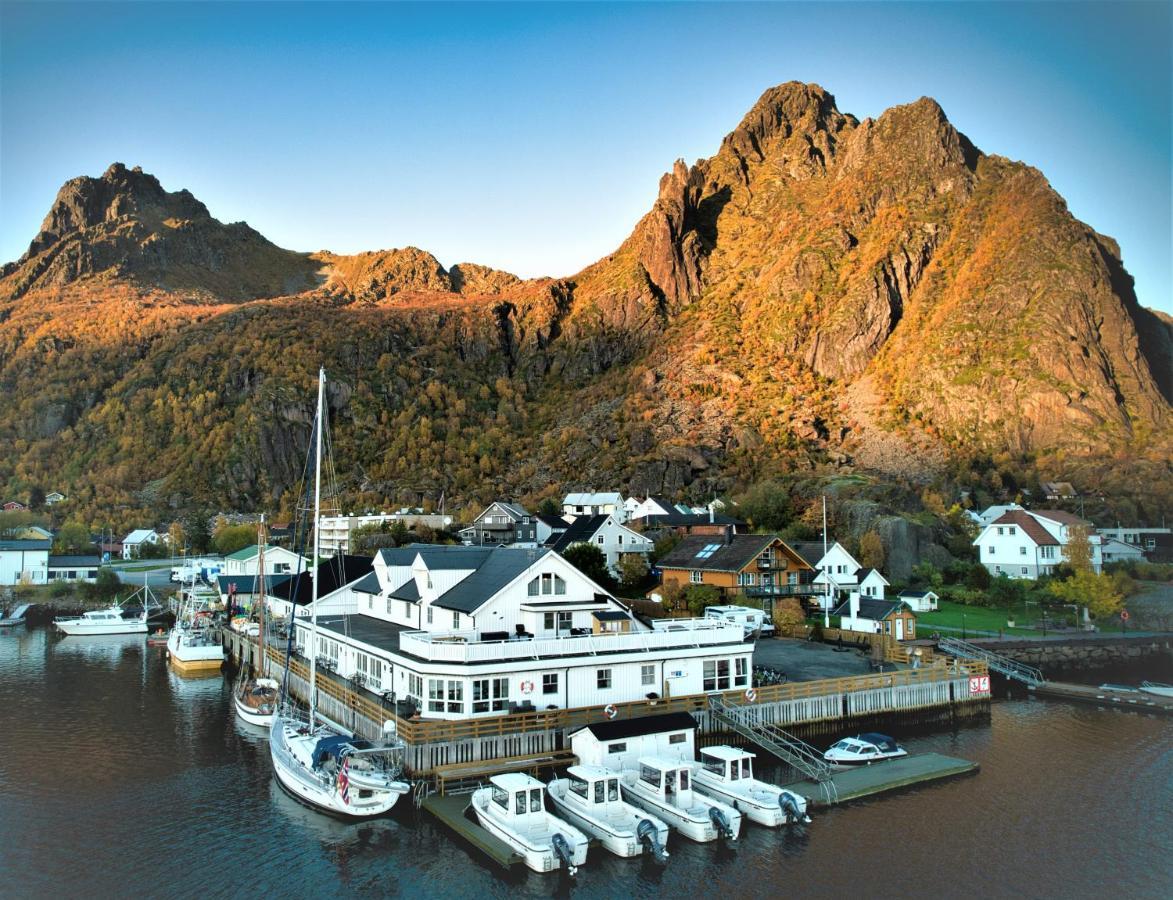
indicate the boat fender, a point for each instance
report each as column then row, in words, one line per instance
column 721, row 823
column 791, row 809
column 645, row 831
column 562, row 851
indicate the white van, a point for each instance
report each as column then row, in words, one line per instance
column 746, row 616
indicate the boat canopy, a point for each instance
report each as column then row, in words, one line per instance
column 882, row 741
column 336, row 746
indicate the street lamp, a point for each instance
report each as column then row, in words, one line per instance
column 964, row 635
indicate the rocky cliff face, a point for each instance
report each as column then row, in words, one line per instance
column 822, row 292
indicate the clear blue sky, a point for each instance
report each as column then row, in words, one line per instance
column 531, row 137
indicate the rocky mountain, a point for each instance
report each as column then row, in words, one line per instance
column 823, row 294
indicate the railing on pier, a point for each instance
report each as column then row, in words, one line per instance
column 1011, row 668
column 745, row 719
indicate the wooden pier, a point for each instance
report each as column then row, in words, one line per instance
column 879, row 778
column 1137, row 701
column 451, row 811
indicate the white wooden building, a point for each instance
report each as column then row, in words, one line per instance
column 621, row 743
column 613, row 539
column 24, row 561
column 472, row 631
column 1028, row 543
column 278, row 561
column 603, row 503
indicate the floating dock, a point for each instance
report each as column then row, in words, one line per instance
column 864, row 781
column 1135, row 700
column 450, row 811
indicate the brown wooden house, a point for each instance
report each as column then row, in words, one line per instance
column 736, row 564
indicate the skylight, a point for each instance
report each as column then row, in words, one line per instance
column 708, row 550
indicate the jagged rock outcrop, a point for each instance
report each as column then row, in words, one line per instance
column 821, row 294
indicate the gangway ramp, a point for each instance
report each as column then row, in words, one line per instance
column 749, row 723
column 1028, row 675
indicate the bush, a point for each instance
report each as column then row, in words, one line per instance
column 589, row 560
column 978, row 577
column 766, row 506
column 698, row 597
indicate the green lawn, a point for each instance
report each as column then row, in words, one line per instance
column 982, row 618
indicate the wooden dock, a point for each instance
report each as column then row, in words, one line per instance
column 864, row 781
column 1137, row 701
column 451, row 811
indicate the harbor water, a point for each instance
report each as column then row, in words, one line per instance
column 119, row 778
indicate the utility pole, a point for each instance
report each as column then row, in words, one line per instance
column 826, row 576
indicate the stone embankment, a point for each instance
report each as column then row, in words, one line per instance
column 1085, row 652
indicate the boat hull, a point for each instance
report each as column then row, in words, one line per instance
column 193, row 659
column 620, row 839
column 538, row 857
column 756, row 809
column 320, row 792
column 83, row 628
column 263, row 720
column 696, row 828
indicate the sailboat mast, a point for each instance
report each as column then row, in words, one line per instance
column 826, row 574
column 261, row 581
column 317, row 534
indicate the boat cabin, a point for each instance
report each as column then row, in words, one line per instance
column 670, row 778
column 728, row 763
column 517, row 794
column 594, row 785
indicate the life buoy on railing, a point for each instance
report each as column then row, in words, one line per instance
column 610, row 710
column 527, row 687
column 751, row 695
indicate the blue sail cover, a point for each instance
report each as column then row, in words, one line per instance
column 328, row 747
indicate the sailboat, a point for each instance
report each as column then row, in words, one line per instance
column 256, row 698
column 317, row 763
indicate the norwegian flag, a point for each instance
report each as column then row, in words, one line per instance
column 344, row 782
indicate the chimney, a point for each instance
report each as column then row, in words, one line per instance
column 853, row 599
column 728, row 534
column 712, row 516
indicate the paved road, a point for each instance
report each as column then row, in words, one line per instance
column 808, row 660
column 160, row 577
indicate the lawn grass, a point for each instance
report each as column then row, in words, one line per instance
column 984, row 618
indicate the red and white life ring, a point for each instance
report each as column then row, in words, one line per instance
column 610, row 710
column 751, row 695
column 527, row 687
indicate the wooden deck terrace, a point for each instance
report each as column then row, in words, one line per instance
column 433, row 744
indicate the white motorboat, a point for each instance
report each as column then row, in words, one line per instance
column 591, row 799
column 103, row 621
column 314, row 761
column 1157, row 689
column 726, row 774
column 17, row 617
column 193, row 646
column 513, row 809
column 664, row 788
column 863, row 750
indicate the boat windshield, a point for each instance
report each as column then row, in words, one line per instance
column 612, row 788
column 535, row 800
column 746, row 767
column 600, row 789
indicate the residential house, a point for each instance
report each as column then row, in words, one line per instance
column 1058, row 490
column 686, row 523
column 33, row 533
column 990, row 513
column 1144, row 538
column 653, row 506
column 605, row 532
column 608, row 503
column 871, row 583
column 24, row 561
column 1114, row 550
column 547, row 526
column 756, row 565
column 278, row 561
column 464, row 631
column 835, row 567
column 54, row 497
column 74, row 568
column 863, row 614
column 336, row 530
column 1030, row 543
column 340, row 592
column 918, row 601
column 132, row 544
column 501, row 523
column 14, row 506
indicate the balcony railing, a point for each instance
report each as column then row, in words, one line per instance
column 465, row 646
column 785, row 590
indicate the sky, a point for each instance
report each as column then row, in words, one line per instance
column 531, row 137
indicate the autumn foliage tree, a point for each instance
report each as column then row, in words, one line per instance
column 871, row 551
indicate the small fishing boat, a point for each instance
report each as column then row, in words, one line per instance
column 17, row 617
column 591, row 799
column 863, row 750
column 513, row 809
column 726, row 774
column 103, row 621
column 664, row 788
column 256, row 698
column 193, row 646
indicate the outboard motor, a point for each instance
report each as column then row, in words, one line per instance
column 645, row 831
column 721, row 823
column 562, row 851
column 791, row 809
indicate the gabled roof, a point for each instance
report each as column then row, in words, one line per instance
column 555, row 522
column 579, row 531
column 864, row 573
column 870, row 608
column 138, row 536
column 588, row 498
column 680, row 519
column 369, row 583
column 637, row 727
column 718, row 553
column 810, row 551
column 919, row 594
column 1062, row 517
column 409, row 591
column 333, row 574
column 25, row 545
column 248, row 584
column 251, row 551
column 497, row 568
column 58, row 562
column 1029, row 525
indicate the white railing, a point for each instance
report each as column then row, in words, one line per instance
column 464, row 646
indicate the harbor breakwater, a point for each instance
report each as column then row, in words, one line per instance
column 1086, row 653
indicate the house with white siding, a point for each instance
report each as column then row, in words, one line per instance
column 278, row 561
column 837, row 566
column 615, row 541
column 463, row 632
column 606, row 503
column 24, row 561
column 132, row 544
column 1027, row 544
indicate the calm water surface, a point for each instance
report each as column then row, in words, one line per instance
column 118, row 778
